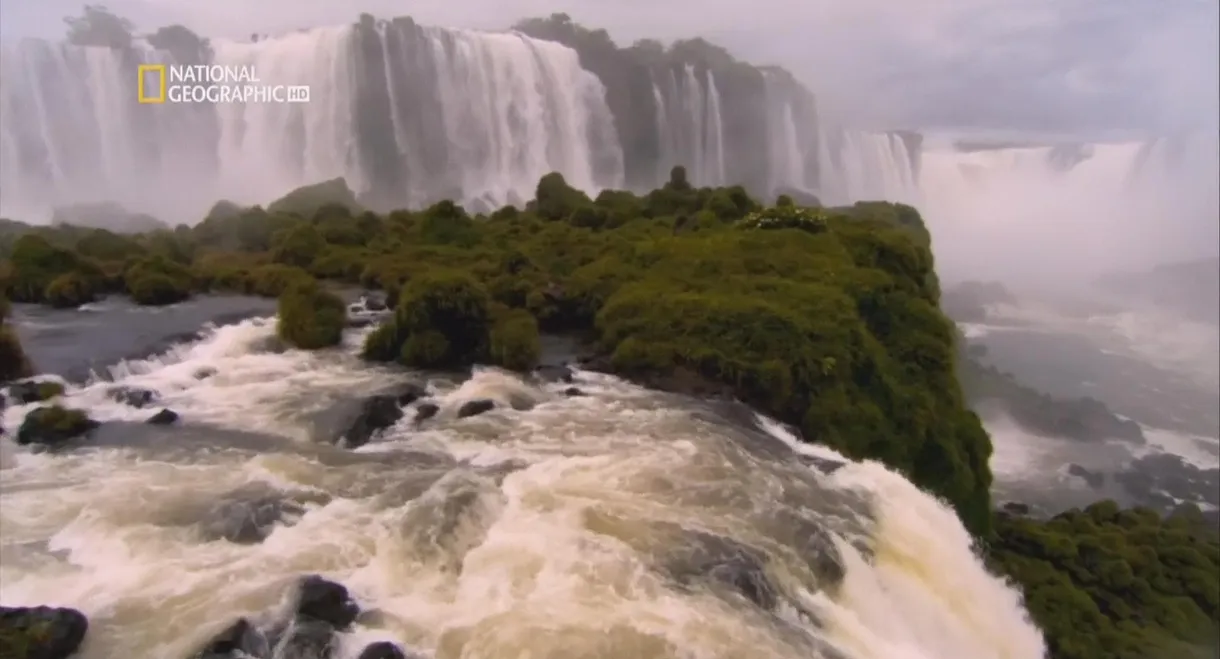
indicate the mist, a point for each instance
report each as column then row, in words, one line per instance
column 1037, row 72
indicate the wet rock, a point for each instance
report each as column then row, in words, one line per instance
column 373, row 303
column 240, row 639
column 554, row 373
column 166, row 417
column 204, row 373
column 1015, row 508
column 383, row 650
column 34, row 391
column 248, row 517
column 358, row 323
column 132, row 396
column 53, row 425
column 727, row 564
column 425, row 411
column 475, row 407
column 823, row 465
column 376, row 414
column 1094, row 479
column 307, row 638
column 326, row 601
column 409, row 393
column 41, row 632
column 1157, row 480
column 573, row 392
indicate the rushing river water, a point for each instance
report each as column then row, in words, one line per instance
column 619, row 523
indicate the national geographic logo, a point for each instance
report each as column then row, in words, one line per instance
column 201, row 83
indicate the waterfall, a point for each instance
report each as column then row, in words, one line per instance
column 690, row 126
column 407, row 114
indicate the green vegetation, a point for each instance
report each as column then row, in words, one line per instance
column 827, row 318
column 1105, row 583
column 310, row 317
column 13, row 363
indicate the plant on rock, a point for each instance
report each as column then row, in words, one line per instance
column 310, row 317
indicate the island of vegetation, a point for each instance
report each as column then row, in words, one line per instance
column 826, row 318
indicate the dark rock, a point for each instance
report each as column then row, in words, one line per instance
column 573, row 392
column 1157, row 480
column 475, row 407
column 204, row 373
column 823, row 465
column 357, row 323
column 1094, row 479
column 376, row 413
column 132, row 396
column 34, row 391
column 247, row 517
column 553, row 373
column 382, row 650
column 1015, row 508
column 724, row 563
column 239, row 637
column 409, row 393
column 326, row 601
column 54, row 425
column 425, row 411
column 41, row 632
column 374, row 304
column 744, row 574
column 307, row 638
column 165, row 417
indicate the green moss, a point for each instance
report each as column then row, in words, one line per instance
column 14, row 364
column 53, row 425
column 310, row 317
column 158, row 281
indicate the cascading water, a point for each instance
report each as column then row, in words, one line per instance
column 787, row 163
column 690, row 126
column 480, row 116
column 620, row 523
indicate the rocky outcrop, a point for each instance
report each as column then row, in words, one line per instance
column 41, row 632
column 33, row 391
column 53, row 426
column 165, row 417
column 475, row 407
column 376, row 413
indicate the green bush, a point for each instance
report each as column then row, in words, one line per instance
column 442, row 320
column 1107, row 583
column 14, row 365
column 310, row 317
column 514, row 339
column 69, row 290
column 52, row 425
column 158, row 281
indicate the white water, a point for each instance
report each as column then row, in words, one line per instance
column 566, row 555
column 690, row 126
column 511, row 109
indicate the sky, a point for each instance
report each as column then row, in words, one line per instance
column 1141, row 66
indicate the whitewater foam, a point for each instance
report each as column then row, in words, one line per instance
column 555, row 529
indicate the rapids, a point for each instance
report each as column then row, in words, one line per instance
column 620, row 523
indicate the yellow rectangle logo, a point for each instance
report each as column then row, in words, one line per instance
column 142, row 72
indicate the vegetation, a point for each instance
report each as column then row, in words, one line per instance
column 13, row 363
column 827, row 318
column 52, row 425
column 310, row 317
column 1105, row 583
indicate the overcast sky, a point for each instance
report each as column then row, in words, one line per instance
column 1148, row 65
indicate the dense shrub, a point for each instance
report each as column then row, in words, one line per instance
column 310, row 317
column 514, row 340
column 442, row 320
column 158, row 281
column 69, row 290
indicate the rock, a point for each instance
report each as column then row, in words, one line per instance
column 241, row 636
column 573, row 392
column 33, row 391
column 823, row 465
column 425, row 411
column 409, row 393
column 133, row 396
column 204, row 373
column 374, row 304
column 553, row 373
column 382, row 650
column 475, row 407
column 326, row 601
column 1015, row 508
column 307, row 638
column 165, row 417
column 41, row 632
column 1094, row 479
column 376, row 413
column 53, row 425
column 358, row 323
column 247, row 521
